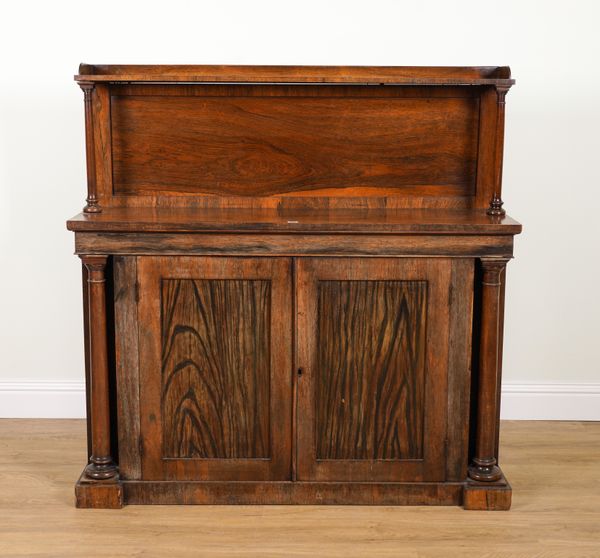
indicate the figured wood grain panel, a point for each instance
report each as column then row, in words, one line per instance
column 215, row 353
column 372, row 339
column 371, row 368
column 268, row 146
column 215, row 368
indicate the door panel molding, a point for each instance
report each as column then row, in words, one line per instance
column 212, row 332
column 379, row 286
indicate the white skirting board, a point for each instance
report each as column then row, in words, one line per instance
column 519, row 401
column 42, row 400
column 551, row 402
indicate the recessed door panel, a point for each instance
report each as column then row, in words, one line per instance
column 372, row 348
column 215, row 362
column 370, row 374
column 215, row 368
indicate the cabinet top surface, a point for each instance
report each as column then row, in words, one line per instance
column 371, row 75
column 401, row 221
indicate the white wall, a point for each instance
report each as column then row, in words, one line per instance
column 552, row 178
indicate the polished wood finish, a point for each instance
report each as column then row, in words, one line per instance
column 265, row 220
column 376, row 364
column 92, row 199
column 101, row 464
column 415, row 75
column 460, row 339
column 295, row 245
column 303, row 297
column 215, row 358
column 484, row 467
column 497, row 203
column 373, row 345
column 265, row 146
column 215, row 391
column 230, row 137
column 127, row 369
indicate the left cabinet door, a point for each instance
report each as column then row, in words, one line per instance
column 215, row 368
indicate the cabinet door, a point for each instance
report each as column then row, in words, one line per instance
column 373, row 357
column 215, row 368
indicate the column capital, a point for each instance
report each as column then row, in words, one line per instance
column 94, row 262
column 87, row 87
column 493, row 264
column 501, row 91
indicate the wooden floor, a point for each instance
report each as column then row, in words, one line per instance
column 554, row 469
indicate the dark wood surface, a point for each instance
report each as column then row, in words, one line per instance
column 215, row 368
column 420, row 75
column 461, row 310
column 362, row 417
column 101, row 465
column 370, row 370
column 266, row 220
column 296, row 493
column 127, row 366
column 283, row 282
column 484, row 466
column 209, row 244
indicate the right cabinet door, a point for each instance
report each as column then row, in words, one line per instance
column 373, row 338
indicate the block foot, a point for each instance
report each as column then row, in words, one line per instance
column 488, row 496
column 103, row 494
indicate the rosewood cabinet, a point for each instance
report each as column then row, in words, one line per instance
column 293, row 285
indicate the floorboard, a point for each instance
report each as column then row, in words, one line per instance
column 554, row 469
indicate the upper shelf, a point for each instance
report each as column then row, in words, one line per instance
column 376, row 221
column 365, row 75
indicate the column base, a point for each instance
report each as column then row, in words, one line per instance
column 484, row 470
column 91, row 493
column 487, row 496
column 101, row 468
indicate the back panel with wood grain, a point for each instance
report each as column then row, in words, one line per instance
column 294, row 145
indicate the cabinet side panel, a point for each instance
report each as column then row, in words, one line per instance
column 215, row 368
column 459, row 367
column 371, row 369
column 127, row 360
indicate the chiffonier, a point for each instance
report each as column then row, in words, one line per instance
column 293, row 285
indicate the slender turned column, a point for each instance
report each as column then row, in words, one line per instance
column 92, row 205
column 484, row 466
column 496, row 202
column 101, row 465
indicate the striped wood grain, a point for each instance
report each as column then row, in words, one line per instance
column 370, row 386
column 215, row 368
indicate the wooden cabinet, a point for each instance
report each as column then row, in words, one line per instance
column 293, row 293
